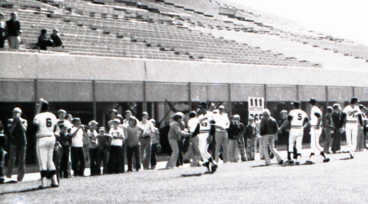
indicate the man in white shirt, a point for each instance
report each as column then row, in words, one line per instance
column 353, row 117
column 192, row 126
column 315, row 131
column 118, row 136
column 77, row 133
column 222, row 123
column 145, row 140
column 204, row 119
column 298, row 121
column 45, row 122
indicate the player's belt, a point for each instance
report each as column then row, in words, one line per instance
column 351, row 121
column 42, row 136
column 296, row 126
column 204, row 131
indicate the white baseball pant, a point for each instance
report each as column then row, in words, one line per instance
column 296, row 135
column 351, row 133
column 45, row 152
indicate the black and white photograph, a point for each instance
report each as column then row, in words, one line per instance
column 183, row 101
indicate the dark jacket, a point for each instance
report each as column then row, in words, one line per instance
column 268, row 126
column 235, row 130
column 250, row 132
column 338, row 119
column 56, row 41
column 43, row 42
column 13, row 28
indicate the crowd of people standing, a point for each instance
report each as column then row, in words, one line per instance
column 209, row 133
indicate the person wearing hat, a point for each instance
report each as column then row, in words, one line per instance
column 298, row 121
column 55, row 38
column 133, row 143
column 92, row 147
column 284, row 130
column 250, row 135
column 118, row 135
column 2, row 31
column 315, row 132
column 45, row 123
column 236, row 132
column 205, row 125
column 174, row 135
column 17, row 139
column 104, row 142
column 77, row 154
column 145, row 140
column 222, row 123
column 268, row 132
column 339, row 120
column 155, row 142
column 328, row 129
column 13, row 30
column 62, row 134
column 353, row 119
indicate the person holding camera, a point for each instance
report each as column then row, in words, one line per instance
column 17, row 127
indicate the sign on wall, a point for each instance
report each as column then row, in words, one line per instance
column 255, row 107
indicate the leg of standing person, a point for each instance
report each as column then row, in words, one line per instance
column 225, row 146
column 153, row 156
column 328, row 139
column 21, row 154
column 11, row 160
column 41, row 148
column 82, row 161
column 174, row 154
column 106, row 160
column 130, row 158
column 137, row 159
column 148, row 153
column 219, row 138
column 242, row 142
column 196, row 151
column 123, row 156
column 231, row 149
column 2, row 164
column 265, row 145
column 274, row 150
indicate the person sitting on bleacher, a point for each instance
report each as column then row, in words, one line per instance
column 56, row 40
column 43, row 40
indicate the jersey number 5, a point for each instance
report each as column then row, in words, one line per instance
column 48, row 122
column 300, row 116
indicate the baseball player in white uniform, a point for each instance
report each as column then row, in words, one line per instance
column 45, row 122
column 315, row 132
column 353, row 117
column 298, row 120
column 204, row 119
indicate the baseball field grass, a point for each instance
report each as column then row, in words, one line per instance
column 339, row 181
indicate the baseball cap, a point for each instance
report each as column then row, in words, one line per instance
column 17, row 110
column 312, row 100
column 222, row 107
column 92, row 122
column 236, row 116
column 116, row 121
column 61, row 111
column 354, row 100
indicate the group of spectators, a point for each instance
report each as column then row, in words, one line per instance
column 106, row 147
column 11, row 30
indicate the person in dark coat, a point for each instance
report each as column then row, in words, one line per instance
column 339, row 119
column 43, row 41
column 13, row 31
column 55, row 38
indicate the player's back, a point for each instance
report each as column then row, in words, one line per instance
column 46, row 122
column 298, row 117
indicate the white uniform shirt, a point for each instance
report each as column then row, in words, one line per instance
column 352, row 113
column 46, row 122
column 119, row 132
column 222, row 120
column 77, row 140
column 205, row 124
column 313, row 117
column 66, row 123
column 192, row 124
column 147, row 128
column 298, row 117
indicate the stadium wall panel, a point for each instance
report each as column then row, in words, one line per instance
column 308, row 92
column 114, row 91
column 339, row 93
column 160, row 91
column 281, row 93
column 361, row 93
column 218, row 92
column 65, row 91
column 16, row 90
column 198, row 92
column 241, row 92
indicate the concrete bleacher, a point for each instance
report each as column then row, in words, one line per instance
column 140, row 30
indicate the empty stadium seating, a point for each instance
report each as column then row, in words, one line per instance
column 144, row 29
